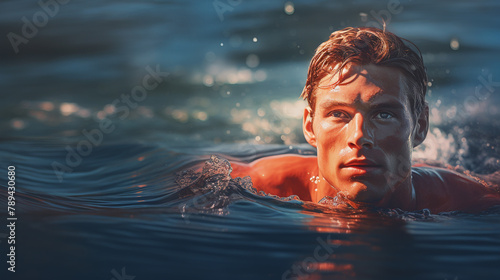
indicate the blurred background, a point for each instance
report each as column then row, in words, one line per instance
column 102, row 102
column 235, row 70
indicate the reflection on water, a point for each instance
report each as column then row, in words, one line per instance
column 97, row 166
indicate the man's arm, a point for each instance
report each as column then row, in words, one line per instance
column 282, row 175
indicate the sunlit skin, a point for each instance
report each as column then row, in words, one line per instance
column 364, row 131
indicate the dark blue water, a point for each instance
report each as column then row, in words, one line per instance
column 99, row 187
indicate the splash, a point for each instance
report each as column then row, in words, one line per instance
column 341, row 203
column 211, row 190
column 336, row 202
column 437, row 146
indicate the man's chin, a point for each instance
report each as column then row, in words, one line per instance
column 363, row 194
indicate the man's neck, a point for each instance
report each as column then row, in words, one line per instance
column 403, row 196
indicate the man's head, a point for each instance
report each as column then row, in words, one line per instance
column 367, row 111
column 362, row 46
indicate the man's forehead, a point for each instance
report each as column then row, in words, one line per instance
column 370, row 72
column 364, row 84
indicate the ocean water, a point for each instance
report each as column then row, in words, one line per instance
column 106, row 105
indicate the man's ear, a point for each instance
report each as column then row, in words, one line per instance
column 307, row 126
column 421, row 127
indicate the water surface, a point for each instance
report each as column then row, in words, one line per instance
column 232, row 89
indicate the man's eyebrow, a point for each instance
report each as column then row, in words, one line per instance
column 395, row 105
column 334, row 103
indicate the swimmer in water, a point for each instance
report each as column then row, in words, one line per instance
column 366, row 112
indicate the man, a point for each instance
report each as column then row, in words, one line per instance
column 367, row 111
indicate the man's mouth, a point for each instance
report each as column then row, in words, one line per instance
column 361, row 166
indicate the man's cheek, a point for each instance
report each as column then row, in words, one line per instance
column 399, row 166
column 390, row 139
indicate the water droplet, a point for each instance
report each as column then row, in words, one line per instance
column 208, row 80
column 289, row 8
column 364, row 16
column 454, row 44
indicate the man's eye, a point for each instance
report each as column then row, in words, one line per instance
column 339, row 114
column 385, row 115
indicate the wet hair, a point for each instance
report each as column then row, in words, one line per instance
column 367, row 45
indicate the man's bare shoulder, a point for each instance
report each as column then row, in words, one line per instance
column 282, row 175
column 443, row 189
column 285, row 165
column 447, row 177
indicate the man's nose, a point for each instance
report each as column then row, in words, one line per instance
column 360, row 136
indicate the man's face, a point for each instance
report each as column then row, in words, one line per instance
column 364, row 131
